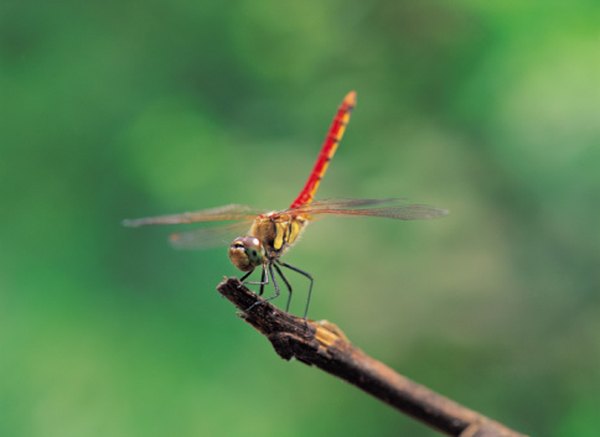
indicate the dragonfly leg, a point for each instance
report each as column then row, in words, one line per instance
column 275, row 284
column 287, row 284
column 305, row 274
column 271, row 274
column 264, row 280
column 246, row 275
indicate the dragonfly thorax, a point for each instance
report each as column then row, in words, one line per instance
column 246, row 253
column 277, row 231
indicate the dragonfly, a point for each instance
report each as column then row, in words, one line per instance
column 272, row 233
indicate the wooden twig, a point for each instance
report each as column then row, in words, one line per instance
column 324, row 345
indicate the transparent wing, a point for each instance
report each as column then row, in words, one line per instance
column 206, row 238
column 221, row 213
column 352, row 203
column 398, row 209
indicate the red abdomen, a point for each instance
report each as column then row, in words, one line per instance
column 336, row 131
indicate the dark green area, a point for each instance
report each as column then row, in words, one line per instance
column 113, row 110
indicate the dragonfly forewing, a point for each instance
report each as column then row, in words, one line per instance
column 221, row 213
column 207, row 238
column 398, row 209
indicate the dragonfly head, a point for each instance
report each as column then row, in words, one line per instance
column 246, row 253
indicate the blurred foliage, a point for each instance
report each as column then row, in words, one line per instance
column 125, row 109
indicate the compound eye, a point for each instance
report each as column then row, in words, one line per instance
column 245, row 253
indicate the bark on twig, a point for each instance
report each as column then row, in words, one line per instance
column 324, row 345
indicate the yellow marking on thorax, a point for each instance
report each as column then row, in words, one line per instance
column 293, row 231
column 287, row 230
column 280, row 230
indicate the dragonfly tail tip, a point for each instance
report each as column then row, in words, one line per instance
column 350, row 98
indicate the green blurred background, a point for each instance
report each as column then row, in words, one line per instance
column 122, row 109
